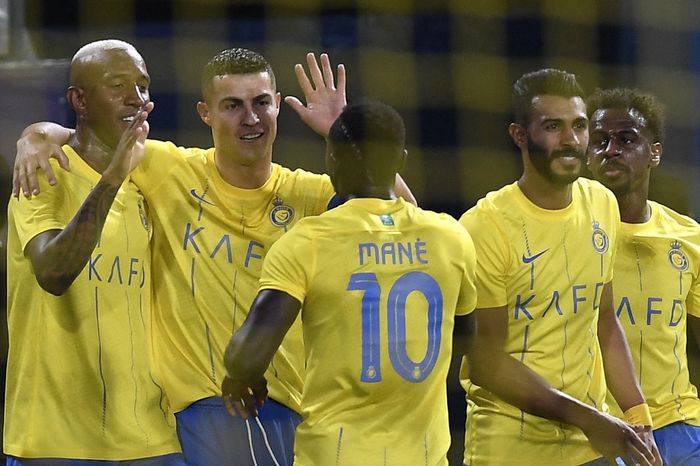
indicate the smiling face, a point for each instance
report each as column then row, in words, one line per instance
column 557, row 136
column 621, row 152
column 109, row 89
column 242, row 111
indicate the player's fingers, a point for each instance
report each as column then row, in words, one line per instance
column 314, row 70
column 327, row 71
column 62, row 158
column 45, row 165
column 148, row 107
column 21, row 176
column 303, row 80
column 260, row 393
column 16, row 186
column 296, row 104
column 229, row 406
column 638, row 457
column 249, row 404
column 341, row 78
column 639, row 447
column 32, row 180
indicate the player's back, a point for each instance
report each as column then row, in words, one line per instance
column 383, row 281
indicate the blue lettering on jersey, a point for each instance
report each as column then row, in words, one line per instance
column 655, row 306
column 224, row 246
column 393, row 253
column 250, row 254
column 116, row 270
column 580, row 293
column 190, row 237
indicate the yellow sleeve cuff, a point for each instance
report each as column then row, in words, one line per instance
column 639, row 415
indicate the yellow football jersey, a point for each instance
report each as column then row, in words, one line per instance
column 380, row 282
column 548, row 267
column 79, row 380
column 208, row 250
column 657, row 284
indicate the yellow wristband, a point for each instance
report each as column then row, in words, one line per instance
column 639, row 415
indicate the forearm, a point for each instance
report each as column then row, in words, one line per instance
column 619, row 369
column 62, row 259
column 251, row 348
column 243, row 364
column 48, row 132
column 523, row 388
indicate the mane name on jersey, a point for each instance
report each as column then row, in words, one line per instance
column 393, row 253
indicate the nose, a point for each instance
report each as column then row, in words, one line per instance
column 569, row 137
column 611, row 148
column 136, row 96
column 250, row 117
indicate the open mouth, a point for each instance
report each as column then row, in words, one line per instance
column 251, row 137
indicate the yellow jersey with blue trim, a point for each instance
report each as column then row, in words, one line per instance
column 381, row 282
column 548, row 269
column 657, row 285
column 80, row 382
column 209, row 244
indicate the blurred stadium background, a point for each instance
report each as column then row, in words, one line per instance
column 446, row 65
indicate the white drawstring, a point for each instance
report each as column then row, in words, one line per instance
column 267, row 443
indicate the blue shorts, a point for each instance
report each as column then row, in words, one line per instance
column 679, row 444
column 174, row 459
column 210, row 436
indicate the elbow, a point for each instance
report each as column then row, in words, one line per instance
column 54, row 285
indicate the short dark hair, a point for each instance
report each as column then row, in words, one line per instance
column 234, row 61
column 626, row 99
column 372, row 136
column 548, row 81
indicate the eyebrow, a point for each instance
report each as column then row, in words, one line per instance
column 109, row 75
column 239, row 100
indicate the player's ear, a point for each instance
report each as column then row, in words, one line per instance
column 656, row 151
column 518, row 134
column 401, row 162
column 203, row 110
column 76, row 98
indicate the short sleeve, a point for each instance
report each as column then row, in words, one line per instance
column 42, row 212
column 467, row 299
column 491, row 252
column 283, row 268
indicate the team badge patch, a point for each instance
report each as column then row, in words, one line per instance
column 281, row 215
column 386, row 220
column 599, row 239
column 677, row 257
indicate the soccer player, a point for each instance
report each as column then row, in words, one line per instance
column 80, row 385
column 545, row 246
column 657, row 267
column 378, row 310
column 216, row 213
column 401, row 276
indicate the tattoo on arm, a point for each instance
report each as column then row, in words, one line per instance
column 65, row 256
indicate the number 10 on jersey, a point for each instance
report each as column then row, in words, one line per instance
column 419, row 282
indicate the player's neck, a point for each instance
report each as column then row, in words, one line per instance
column 545, row 194
column 376, row 192
column 244, row 176
column 91, row 149
column 634, row 207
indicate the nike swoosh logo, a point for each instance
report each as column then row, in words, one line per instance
column 530, row 259
column 198, row 197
